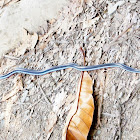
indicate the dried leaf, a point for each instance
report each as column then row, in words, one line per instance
column 112, row 8
column 80, row 117
column 1, row 3
column 90, row 22
column 52, row 118
column 10, row 99
column 28, row 41
column 16, row 88
column 89, row 2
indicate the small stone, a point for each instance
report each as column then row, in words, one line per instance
column 37, row 135
column 104, row 121
column 134, row 100
column 24, row 95
column 52, row 83
column 112, row 8
column 105, row 95
column 2, row 124
column 98, row 132
column 31, row 85
column 58, row 74
column 54, row 75
column 133, row 1
column 97, row 38
column 89, row 2
column 120, row 95
column 27, row 99
column 28, row 82
column 62, row 72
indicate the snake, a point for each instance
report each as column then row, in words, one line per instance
column 72, row 65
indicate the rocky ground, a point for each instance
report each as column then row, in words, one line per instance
column 36, row 107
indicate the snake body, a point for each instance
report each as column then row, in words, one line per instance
column 72, row 65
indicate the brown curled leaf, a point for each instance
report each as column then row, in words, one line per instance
column 80, row 117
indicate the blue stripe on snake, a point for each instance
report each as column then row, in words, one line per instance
column 72, row 65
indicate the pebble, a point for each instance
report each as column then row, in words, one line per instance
column 2, row 124
column 27, row 99
column 62, row 72
column 31, row 85
column 37, row 135
column 112, row 8
column 105, row 95
column 24, row 95
column 28, row 81
column 1, row 116
column 54, row 74
column 120, row 95
column 52, row 83
column 58, row 74
column 133, row 1
column 98, row 132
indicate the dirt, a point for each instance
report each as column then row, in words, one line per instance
column 109, row 32
column 16, row 15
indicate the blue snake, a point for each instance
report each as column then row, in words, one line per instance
column 72, row 65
